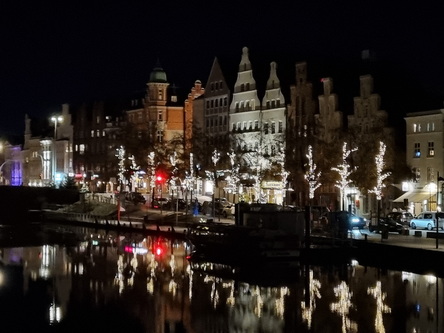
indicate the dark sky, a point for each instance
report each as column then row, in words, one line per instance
column 70, row 51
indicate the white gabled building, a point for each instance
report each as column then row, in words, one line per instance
column 257, row 134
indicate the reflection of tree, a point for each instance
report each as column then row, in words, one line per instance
column 381, row 308
column 314, row 287
column 343, row 306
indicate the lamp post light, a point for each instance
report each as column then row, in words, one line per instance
column 55, row 120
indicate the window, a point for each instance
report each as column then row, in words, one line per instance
column 244, row 125
column 266, row 128
column 82, row 149
column 417, row 150
column 280, row 127
column 92, row 133
column 431, row 149
column 159, row 136
column 160, row 94
column 273, row 127
column 256, row 124
column 430, row 127
column 159, row 115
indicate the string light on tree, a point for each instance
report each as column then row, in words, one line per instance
column 312, row 176
column 121, row 174
column 380, row 175
column 344, row 170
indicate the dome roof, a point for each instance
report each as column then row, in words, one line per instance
column 158, row 75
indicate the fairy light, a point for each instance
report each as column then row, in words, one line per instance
column 380, row 175
column 314, row 287
column 312, row 176
column 381, row 308
column 344, row 170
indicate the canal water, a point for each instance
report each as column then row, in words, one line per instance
column 128, row 282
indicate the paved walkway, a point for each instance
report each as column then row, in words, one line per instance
column 420, row 239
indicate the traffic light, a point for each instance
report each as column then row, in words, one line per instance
column 159, row 178
column 158, row 248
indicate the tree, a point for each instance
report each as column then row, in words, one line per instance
column 311, row 176
column 380, row 174
column 344, row 170
column 69, row 183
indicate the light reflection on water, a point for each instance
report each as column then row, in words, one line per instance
column 129, row 282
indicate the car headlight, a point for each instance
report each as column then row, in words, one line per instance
column 355, row 219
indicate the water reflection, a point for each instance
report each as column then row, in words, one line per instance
column 145, row 283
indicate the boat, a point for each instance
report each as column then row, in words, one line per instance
column 234, row 243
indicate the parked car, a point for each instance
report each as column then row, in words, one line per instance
column 221, row 209
column 389, row 224
column 427, row 220
column 401, row 217
column 135, row 198
column 179, row 203
column 160, row 203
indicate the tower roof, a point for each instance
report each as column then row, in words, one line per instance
column 158, row 74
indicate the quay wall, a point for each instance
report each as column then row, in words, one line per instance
column 16, row 202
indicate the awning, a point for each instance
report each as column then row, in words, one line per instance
column 415, row 196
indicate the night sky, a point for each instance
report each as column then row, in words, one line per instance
column 70, row 51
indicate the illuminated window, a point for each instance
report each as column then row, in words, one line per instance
column 92, row 133
column 160, row 94
column 98, row 133
column 82, row 149
column 159, row 136
column 430, row 127
column 431, row 149
column 417, row 150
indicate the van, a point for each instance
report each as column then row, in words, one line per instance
column 427, row 220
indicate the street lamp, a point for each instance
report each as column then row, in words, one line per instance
column 55, row 120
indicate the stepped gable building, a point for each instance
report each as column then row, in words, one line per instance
column 245, row 117
column 329, row 120
column 196, row 91
column 329, row 135
column 367, row 126
column 257, row 133
column 300, row 133
column 273, row 127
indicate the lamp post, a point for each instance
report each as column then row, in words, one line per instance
column 55, row 120
column 438, row 208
